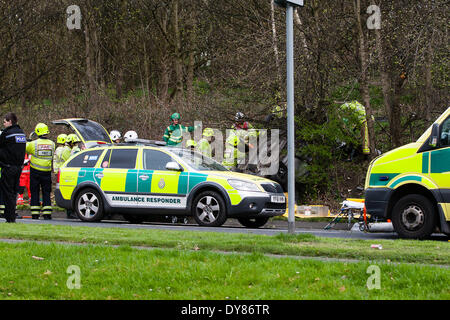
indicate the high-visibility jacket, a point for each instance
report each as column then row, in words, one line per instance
column 74, row 150
column 173, row 135
column 204, row 147
column 41, row 151
column 58, row 159
column 360, row 112
column 66, row 153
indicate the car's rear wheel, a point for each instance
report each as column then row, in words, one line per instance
column 209, row 209
column 253, row 222
column 89, row 205
column 413, row 217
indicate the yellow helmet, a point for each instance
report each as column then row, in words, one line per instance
column 73, row 138
column 41, row 129
column 62, row 138
column 233, row 140
column 191, row 143
column 208, row 132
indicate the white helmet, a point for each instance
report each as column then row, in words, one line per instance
column 114, row 135
column 239, row 116
column 130, row 135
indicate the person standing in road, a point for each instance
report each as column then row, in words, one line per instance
column 41, row 151
column 12, row 152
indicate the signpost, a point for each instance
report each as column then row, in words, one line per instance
column 289, row 5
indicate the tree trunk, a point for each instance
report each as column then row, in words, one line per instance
column 274, row 42
column 385, row 80
column 364, row 87
column 178, row 58
column 88, row 52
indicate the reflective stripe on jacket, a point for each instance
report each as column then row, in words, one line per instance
column 41, row 151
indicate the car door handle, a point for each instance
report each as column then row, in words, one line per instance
column 99, row 175
column 143, row 177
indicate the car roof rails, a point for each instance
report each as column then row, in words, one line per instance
column 146, row 142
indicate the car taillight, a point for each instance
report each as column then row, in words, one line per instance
column 57, row 176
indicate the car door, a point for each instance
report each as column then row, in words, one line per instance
column 165, row 188
column 440, row 164
column 90, row 132
column 118, row 175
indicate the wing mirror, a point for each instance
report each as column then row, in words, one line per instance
column 173, row 166
column 434, row 135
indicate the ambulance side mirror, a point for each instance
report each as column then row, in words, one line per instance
column 434, row 135
column 173, row 166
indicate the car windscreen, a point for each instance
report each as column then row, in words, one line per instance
column 91, row 131
column 197, row 161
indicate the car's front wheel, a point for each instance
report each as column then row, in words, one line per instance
column 209, row 209
column 89, row 205
column 253, row 222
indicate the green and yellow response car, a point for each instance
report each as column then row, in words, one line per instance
column 139, row 179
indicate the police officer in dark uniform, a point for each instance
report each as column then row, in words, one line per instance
column 12, row 152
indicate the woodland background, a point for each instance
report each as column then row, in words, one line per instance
column 134, row 62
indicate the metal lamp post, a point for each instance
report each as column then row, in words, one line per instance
column 289, row 5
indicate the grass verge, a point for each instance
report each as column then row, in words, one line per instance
column 47, row 271
column 423, row 252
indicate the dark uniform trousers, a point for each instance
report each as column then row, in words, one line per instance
column 9, row 187
column 40, row 180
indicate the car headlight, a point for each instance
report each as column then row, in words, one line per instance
column 243, row 185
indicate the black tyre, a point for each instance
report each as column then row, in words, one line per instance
column 413, row 217
column 134, row 218
column 209, row 209
column 89, row 205
column 253, row 222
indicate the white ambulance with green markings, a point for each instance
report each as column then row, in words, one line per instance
column 411, row 185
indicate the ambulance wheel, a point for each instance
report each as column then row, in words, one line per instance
column 253, row 222
column 89, row 205
column 209, row 209
column 413, row 217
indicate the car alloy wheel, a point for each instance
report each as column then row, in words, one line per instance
column 89, row 206
column 209, row 209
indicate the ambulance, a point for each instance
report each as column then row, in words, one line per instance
column 411, row 185
column 139, row 179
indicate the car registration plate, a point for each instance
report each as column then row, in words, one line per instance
column 278, row 199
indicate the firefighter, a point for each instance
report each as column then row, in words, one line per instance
column 58, row 158
column 173, row 135
column 204, row 144
column 73, row 141
column 232, row 153
column 239, row 123
column 24, row 181
column 12, row 152
column 130, row 135
column 191, row 144
column 115, row 136
column 359, row 111
column 41, row 151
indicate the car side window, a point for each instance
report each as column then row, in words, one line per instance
column 85, row 160
column 122, row 158
column 445, row 133
column 156, row 160
column 106, row 158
